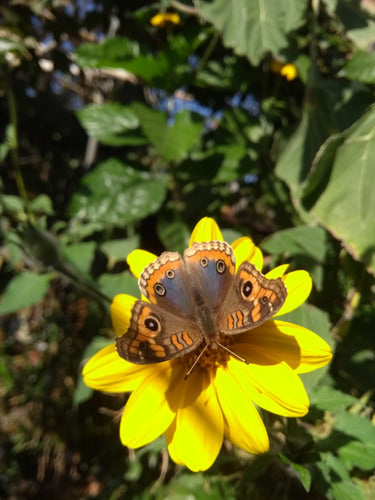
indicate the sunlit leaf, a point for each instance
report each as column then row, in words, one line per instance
column 112, row 124
column 361, row 67
column 115, row 193
column 24, row 290
column 346, row 205
column 172, row 140
column 254, row 27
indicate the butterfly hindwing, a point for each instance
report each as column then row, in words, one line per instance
column 252, row 300
column 155, row 335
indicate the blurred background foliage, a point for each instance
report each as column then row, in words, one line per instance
column 121, row 130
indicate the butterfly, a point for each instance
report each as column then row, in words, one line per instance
column 196, row 300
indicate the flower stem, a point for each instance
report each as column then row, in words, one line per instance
column 12, row 105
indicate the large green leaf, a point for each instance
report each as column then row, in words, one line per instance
column 115, row 194
column 254, row 27
column 305, row 244
column 24, row 290
column 173, row 141
column 111, row 123
column 295, row 161
column 347, row 204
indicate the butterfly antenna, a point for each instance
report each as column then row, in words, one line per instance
column 237, row 356
column 195, row 362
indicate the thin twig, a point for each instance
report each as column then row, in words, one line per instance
column 184, row 8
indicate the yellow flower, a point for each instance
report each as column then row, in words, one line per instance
column 164, row 18
column 288, row 70
column 220, row 396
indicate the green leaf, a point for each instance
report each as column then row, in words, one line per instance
column 42, row 203
column 328, row 398
column 111, row 49
column 115, row 194
column 356, row 20
column 113, row 284
column 359, row 453
column 302, row 473
column 117, row 250
column 347, row 204
column 173, row 231
column 254, row 27
column 336, row 479
column 80, row 255
column 24, row 290
column 12, row 203
column 172, row 141
column 306, row 246
column 7, row 45
column 120, row 53
column 361, row 67
column 111, row 124
column 295, row 161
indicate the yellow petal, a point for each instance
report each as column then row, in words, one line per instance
column 277, row 272
column 245, row 250
column 120, row 312
column 147, row 414
column 298, row 284
column 162, row 18
column 257, row 258
column 314, row 351
column 244, row 427
column 205, row 230
column 106, row 371
column 289, row 71
column 274, row 387
column 195, row 438
column 138, row 259
column 302, row 349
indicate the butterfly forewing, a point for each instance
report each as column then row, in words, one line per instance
column 211, row 268
column 165, row 282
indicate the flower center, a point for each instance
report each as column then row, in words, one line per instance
column 209, row 356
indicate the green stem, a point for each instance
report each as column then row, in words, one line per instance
column 12, row 105
column 208, row 51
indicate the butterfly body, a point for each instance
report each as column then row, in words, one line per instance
column 195, row 300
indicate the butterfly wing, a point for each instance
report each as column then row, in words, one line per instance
column 155, row 335
column 164, row 328
column 165, row 282
column 251, row 300
column 211, row 267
